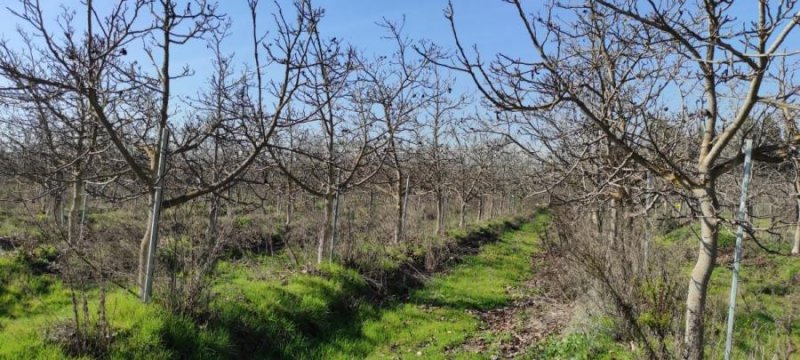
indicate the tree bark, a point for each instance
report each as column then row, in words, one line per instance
column 289, row 210
column 613, row 240
column 400, row 207
column 480, row 209
column 698, row 285
column 371, row 212
column 58, row 207
column 213, row 216
column 144, row 244
column 74, row 203
column 327, row 227
column 399, row 210
column 463, row 214
column 796, row 242
column 597, row 221
column 439, row 214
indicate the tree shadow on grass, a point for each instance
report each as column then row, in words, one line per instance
column 283, row 321
column 333, row 314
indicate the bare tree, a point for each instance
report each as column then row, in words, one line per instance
column 132, row 105
column 392, row 91
column 616, row 62
column 468, row 168
column 434, row 150
column 346, row 134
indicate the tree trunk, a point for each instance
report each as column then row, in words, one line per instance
column 399, row 210
column 145, row 242
column 613, row 219
column 439, row 214
column 335, row 221
column 143, row 246
column 327, row 227
column 796, row 242
column 289, row 210
column 463, row 214
column 213, row 216
column 698, row 285
column 229, row 209
column 400, row 207
column 74, row 204
column 597, row 221
column 58, row 207
column 480, row 209
column 371, row 212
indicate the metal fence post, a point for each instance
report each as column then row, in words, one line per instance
column 737, row 258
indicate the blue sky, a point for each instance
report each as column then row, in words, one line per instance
column 482, row 21
column 491, row 24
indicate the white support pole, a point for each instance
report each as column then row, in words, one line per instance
column 737, row 257
column 147, row 287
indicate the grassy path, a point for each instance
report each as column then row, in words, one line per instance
column 439, row 317
column 258, row 313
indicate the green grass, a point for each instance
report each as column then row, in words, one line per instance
column 767, row 306
column 318, row 317
column 480, row 281
column 22, row 292
column 436, row 318
column 263, row 311
column 11, row 226
column 32, row 304
column 28, row 301
column 580, row 346
column 689, row 235
column 767, row 319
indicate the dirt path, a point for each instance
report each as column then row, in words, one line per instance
column 540, row 309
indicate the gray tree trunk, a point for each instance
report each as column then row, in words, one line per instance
column 371, row 212
column 75, row 200
column 150, row 243
column 400, row 207
column 796, row 242
column 698, row 285
column 145, row 242
column 463, row 214
column 479, row 217
column 335, row 221
column 440, row 214
column 597, row 221
column 213, row 216
column 327, row 227
column 613, row 219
